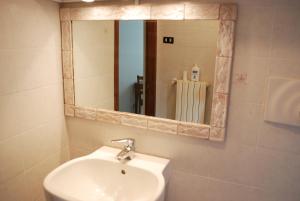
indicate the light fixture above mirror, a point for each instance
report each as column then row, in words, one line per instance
column 88, row 1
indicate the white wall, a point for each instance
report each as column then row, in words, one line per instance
column 93, row 57
column 33, row 136
column 258, row 161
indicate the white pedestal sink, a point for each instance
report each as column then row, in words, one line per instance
column 100, row 177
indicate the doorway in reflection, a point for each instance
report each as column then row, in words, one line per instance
column 135, row 66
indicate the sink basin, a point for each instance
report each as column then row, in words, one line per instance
column 100, row 177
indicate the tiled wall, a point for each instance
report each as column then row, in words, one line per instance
column 33, row 136
column 258, row 161
column 195, row 43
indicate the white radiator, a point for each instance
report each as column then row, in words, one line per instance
column 190, row 101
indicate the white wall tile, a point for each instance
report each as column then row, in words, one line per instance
column 191, row 187
column 253, row 32
column 279, row 137
column 183, row 186
column 248, row 79
column 38, row 143
column 35, row 176
column 286, row 31
column 44, row 33
column 284, row 68
column 14, row 189
column 33, row 138
column 43, row 104
column 23, row 69
column 11, row 159
column 233, row 164
column 244, row 118
column 272, row 171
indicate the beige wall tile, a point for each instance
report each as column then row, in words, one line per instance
column 67, row 66
column 69, row 110
column 133, row 120
column 66, row 35
column 135, row 12
column 85, row 113
column 193, row 130
column 194, row 10
column 226, row 38
column 108, row 116
column 163, row 125
column 219, row 110
column 69, row 91
column 167, row 11
column 228, row 12
column 96, row 13
column 64, row 14
column 217, row 134
column 222, row 74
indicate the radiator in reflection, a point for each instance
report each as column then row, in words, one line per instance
column 190, row 101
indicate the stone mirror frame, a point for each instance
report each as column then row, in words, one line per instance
column 225, row 13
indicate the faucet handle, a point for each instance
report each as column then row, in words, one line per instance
column 127, row 142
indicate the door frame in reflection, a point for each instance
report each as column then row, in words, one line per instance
column 150, row 66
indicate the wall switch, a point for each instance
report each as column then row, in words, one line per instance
column 168, row 39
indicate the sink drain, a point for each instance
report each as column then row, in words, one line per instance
column 123, row 171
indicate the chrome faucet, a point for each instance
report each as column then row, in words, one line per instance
column 127, row 152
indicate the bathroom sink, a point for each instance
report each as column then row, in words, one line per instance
column 101, row 177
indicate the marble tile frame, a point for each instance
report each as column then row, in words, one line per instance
column 227, row 16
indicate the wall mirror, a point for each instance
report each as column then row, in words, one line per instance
column 150, row 72
column 130, row 65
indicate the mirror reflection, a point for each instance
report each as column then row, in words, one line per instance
column 160, row 68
